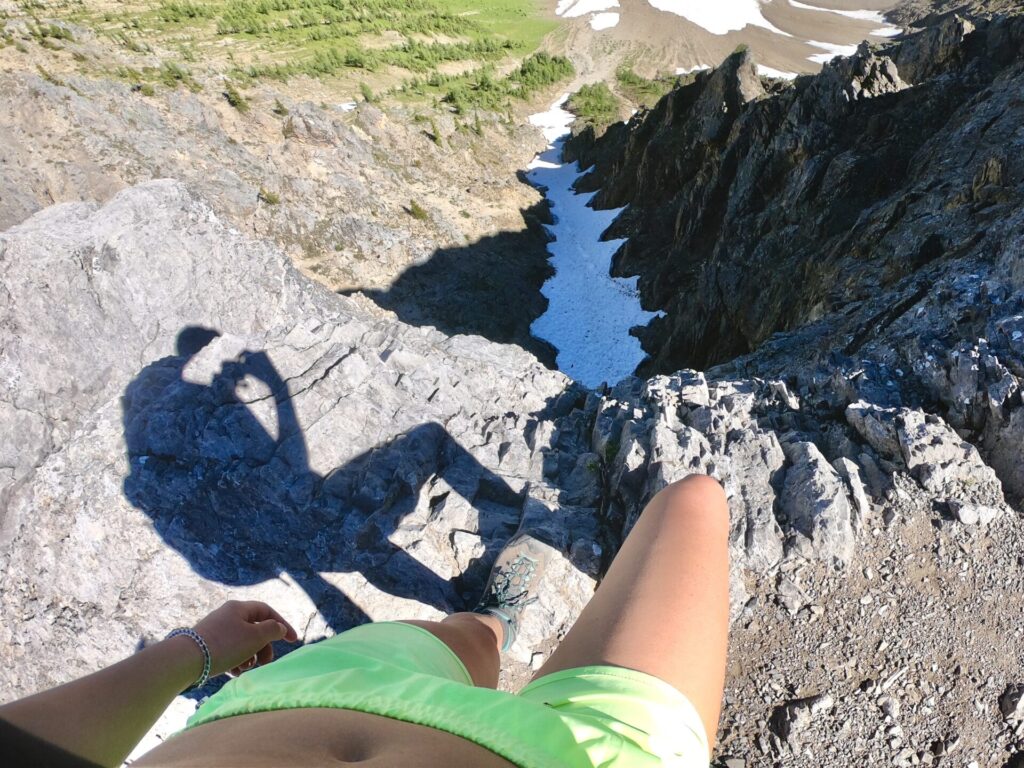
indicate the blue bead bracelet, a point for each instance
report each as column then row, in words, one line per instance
column 203, row 647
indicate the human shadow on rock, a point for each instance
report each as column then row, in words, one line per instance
column 243, row 505
column 489, row 288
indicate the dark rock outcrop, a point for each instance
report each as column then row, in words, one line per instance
column 842, row 198
column 918, row 13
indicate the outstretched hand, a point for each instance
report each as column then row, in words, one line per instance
column 239, row 635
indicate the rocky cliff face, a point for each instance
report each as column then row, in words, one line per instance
column 194, row 418
column 755, row 209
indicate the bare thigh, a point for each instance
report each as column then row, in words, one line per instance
column 663, row 608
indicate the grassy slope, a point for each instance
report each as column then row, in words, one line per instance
column 462, row 52
column 419, row 48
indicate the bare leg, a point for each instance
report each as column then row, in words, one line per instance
column 475, row 639
column 663, row 608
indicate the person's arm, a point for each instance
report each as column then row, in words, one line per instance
column 100, row 718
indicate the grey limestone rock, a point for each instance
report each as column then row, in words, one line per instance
column 674, row 455
column 197, row 419
column 755, row 465
column 790, row 720
column 790, row 596
column 1011, row 703
column 973, row 514
column 850, row 472
column 944, row 463
column 815, row 504
column 1005, row 451
column 863, row 75
column 877, row 425
column 629, row 466
column 930, row 51
column 584, row 485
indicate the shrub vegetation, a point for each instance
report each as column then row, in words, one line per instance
column 595, row 104
column 236, row 99
column 417, row 211
column 640, row 90
column 411, row 39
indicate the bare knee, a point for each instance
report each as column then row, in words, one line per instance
column 471, row 639
column 696, row 496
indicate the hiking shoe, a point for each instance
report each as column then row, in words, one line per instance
column 512, row 583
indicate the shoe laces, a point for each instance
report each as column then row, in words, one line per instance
column 512, row 582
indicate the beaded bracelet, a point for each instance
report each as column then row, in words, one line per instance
column 203, row 647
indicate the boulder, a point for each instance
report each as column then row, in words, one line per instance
column 945, row 464
column 815, row 505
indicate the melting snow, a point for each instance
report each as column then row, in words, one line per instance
column 719, row 17
column 571, row 9
column 687, row 71
column 589, row 312
column 876, row 16
column 833, row 51
column 772, row 72
column 601, row 21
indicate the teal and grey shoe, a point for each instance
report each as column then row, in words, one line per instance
column 513, row 582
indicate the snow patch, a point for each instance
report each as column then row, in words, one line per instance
column 690, row 70
column 887, row 32
column 719, row 17
column 833, row 51
column 589, row 312
column 875, row 16
column 772, row 72
column 601, row 21
column 347, row 106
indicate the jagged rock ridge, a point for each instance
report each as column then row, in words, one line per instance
column 756, row 208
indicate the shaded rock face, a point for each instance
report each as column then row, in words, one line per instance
column 922, row 12
column 755, row 208
column 195, row 416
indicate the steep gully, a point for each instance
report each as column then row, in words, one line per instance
column 756, row 207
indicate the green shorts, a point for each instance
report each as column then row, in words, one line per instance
column 577, row 718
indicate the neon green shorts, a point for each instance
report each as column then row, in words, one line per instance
column 577, row 718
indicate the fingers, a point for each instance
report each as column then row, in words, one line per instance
column 270, row 630
column 245, row 666
column 256, row 611
column 265, row 655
